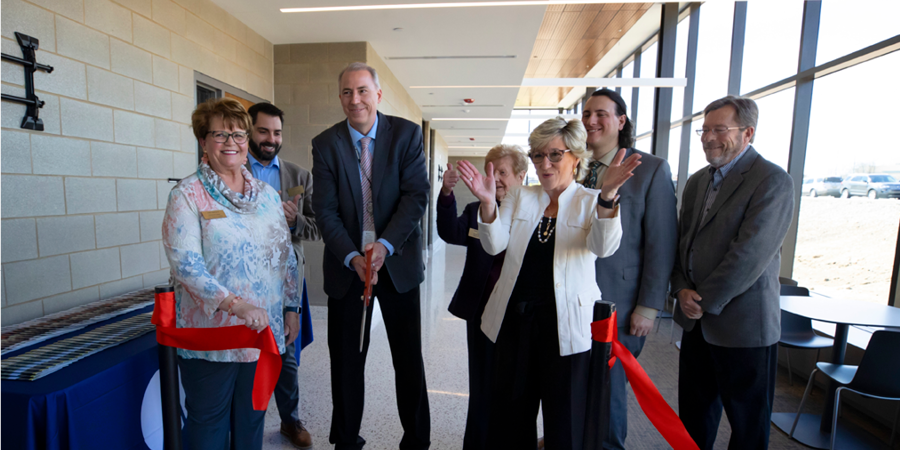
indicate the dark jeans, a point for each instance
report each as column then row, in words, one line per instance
column 618, row 395
column 740, row 380
column 287, row 390
column 481, row 356
column 530, row 373
column 218, row 399
column 402, row 322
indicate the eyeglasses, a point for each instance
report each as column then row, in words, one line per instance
column 717, row 130
column 221, row 137
column 554, row 156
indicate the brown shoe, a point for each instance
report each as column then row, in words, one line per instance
column 297, row 434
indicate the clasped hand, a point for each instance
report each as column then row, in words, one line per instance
column 359, row 262
column 688, row 299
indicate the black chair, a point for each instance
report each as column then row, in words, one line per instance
column 797, row 331
column 787, row 281
column 875, row 377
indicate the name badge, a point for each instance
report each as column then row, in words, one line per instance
column 473, row 233
column 295, row 191
column 217, row 214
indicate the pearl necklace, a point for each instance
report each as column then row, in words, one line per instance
column 544, row 235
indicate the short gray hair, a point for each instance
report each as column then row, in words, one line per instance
column 356, row 67
column 573, row 134
column 514, row 152
column 745, row 109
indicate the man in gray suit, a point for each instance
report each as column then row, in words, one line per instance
column 636, row 277
column 294, row 183
column 372, row 192
column 734, row 216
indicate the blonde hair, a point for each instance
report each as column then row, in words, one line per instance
column 229, row 110
column 573, row 135
column 514, row 152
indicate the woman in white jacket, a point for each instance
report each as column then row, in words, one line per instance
column 539, row 312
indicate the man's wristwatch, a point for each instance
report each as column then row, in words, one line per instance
column 293, row 309
column 608, row 204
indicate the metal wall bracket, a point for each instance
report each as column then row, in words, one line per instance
column 29, row 45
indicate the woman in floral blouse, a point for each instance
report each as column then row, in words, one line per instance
column 232, row 263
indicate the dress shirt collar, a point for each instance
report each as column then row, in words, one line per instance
column 254, row 162
column 355, row 136
column 607, row 159
column 722, row 172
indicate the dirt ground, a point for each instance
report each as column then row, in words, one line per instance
column 845, row 247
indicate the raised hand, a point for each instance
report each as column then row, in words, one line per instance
column 618, row 173
column 483, row 187
column 451, row 177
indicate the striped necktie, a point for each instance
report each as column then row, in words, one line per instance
column 365, row 171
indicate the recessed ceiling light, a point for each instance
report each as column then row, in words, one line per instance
column 449, row 5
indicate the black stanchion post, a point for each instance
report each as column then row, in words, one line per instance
column 596, row 419
column 168, row 389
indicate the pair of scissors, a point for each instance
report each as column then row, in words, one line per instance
column 366, row 297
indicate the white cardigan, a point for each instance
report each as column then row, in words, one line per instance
column 580, row 238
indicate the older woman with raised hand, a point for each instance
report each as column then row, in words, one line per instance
column 479, row 276
column 540, row 311
column 232, row 263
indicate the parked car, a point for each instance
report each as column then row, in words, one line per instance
column 815, row 187
column 873, row 185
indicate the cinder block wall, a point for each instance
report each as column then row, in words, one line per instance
column 306, row 88
column 82, row 202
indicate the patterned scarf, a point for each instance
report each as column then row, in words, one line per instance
column 218, row 190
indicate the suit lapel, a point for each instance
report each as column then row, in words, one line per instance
column 285, row 176
column 730, row 184
column 350, row 163
column 380, row 157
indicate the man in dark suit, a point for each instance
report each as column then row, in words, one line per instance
column 636, row 277
column 734, row 216
column 372, row 192
column 294, row 183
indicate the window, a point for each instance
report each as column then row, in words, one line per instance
column 771, row 43
column 645, row 97
column 697, row 158
column 713, row 52
column 847, row 27
column 675, row 149
column 845, row 246
column 627, row 91
column 773, row 132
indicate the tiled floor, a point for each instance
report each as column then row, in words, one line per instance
column 444, row 352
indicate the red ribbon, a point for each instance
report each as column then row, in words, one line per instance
column 268, row 367
column 652, row 402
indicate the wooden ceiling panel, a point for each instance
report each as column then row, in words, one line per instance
column 548, row 25
column 571, row 40
column 598, row 26
column 552, row 49
column 564, row 26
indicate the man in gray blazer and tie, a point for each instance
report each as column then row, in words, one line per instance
column 636, row 277
column 372, row 193
column 734, row 216
column 295, row 185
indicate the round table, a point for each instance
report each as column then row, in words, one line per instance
column 842, row 313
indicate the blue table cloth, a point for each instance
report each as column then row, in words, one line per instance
column 93, row 403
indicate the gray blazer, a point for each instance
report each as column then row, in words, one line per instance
column 638, row 273
column 737, row 252
column 400, row 190
column 305, row 229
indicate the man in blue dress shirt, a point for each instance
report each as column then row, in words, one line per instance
column 295, row 186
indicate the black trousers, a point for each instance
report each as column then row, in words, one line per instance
column 287, row 390
column 618, row 395
column 402, row 321
column 481, row 355
column 740, row 380
column 529, row 373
